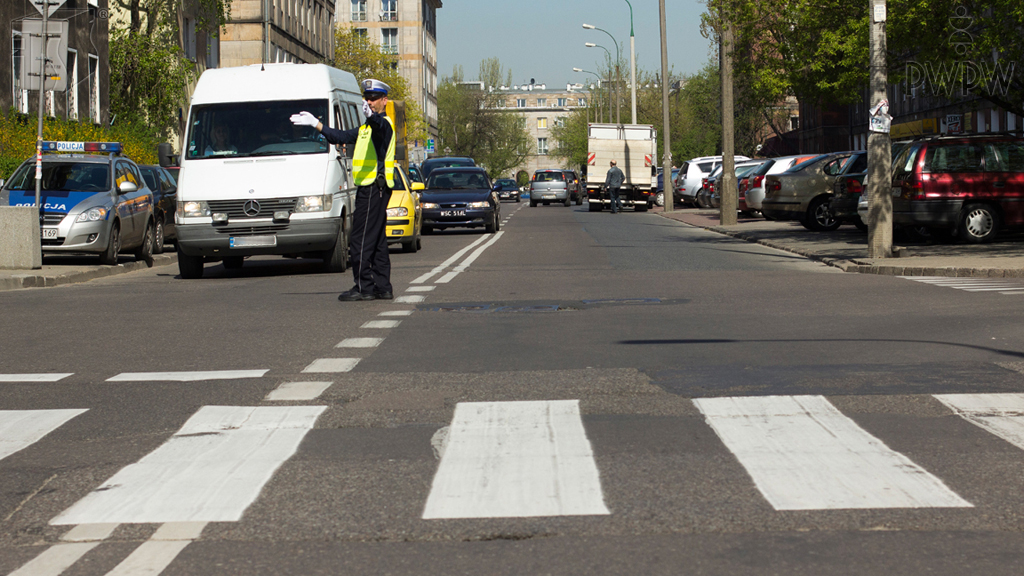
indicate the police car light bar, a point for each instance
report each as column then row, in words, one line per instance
column 81, row 146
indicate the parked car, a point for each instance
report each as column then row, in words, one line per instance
column 165, row 202
column 95, row 202
column 549, row 186
column 659, row 198
column 577, row 190
column 970, row 185
column 428, row 165
column 460, row 197
column 803, row 192
column 742, row 170
column 847, row 189
column 707, row 188
column 405, row 214
column 507, row 189
column 754, row 192
column 689, row 178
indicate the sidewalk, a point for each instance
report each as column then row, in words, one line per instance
column 846, row 248
column 58, row 270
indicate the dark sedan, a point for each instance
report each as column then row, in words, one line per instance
column 507, row 189
column 165, row 201
column 460, row 198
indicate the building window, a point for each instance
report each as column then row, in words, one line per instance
column 188, row 39
column 520, row 102
column 94, row 88
column 359, row 10
column 71, row 92
column 389, row 40
column 542, row 146
column 389, row 11
column 560, row 122
column 212, row 51
column 542, row 123
column 582, row 101
column 542, row 101
column 563, row 101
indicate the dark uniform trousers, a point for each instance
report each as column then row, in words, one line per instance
column 368, row 243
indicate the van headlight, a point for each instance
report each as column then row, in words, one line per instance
column 400, row 211
column 319, row 203
column 92, row 215
column 193, row 209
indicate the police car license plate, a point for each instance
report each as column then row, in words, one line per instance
column 269, row 240
column 453, row 213
column 49, row 233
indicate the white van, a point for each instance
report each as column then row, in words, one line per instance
column 251, row 183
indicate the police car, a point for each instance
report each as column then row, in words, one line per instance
column 94, row 200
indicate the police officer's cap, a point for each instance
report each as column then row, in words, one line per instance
column 371, row 86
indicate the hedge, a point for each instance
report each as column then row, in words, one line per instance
column 18, row 138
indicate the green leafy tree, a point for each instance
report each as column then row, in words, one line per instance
column 571, row 138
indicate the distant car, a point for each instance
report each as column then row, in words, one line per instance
column 428, row 165
column 804, row 191
column 689, row 179
column 93, row 203
column 460, row 197
column 847, row 189
column 165, row 202
column 414, row 174
column 659, row 199
column 404, row 214
column 577, row 190
column 549, row 186
column 507, row 189
column 742, row 171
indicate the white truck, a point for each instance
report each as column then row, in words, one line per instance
column 634, row 147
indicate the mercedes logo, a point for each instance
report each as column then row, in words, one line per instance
column 251, row 208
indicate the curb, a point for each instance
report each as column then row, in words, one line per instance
column 30, row 280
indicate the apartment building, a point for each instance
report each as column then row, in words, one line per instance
column 86, row 94
column 407, row 29
column 541, row 109
column 300, row 31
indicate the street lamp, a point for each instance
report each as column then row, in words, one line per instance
column 618, row 75
column 592, row 45
column 597, row 117
column 632, row 63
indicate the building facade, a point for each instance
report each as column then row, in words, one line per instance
column 542, row 109
column 300, row 31
column 407, row 29
column 86, row 97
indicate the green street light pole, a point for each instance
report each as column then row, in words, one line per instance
column 618, row 75
column 632, row 65
column 597, row 117
column 592, row 45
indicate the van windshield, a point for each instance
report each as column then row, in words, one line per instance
column 242, row 129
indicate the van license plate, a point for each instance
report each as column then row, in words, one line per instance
column 453, row 213
column 253, row 241
column 49, row 233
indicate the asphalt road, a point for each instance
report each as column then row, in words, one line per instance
column 581, row 393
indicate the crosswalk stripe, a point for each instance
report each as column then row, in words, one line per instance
column 396, row 313
column 34, row 377
column 516, row 459
column 359, row 343
column 21, row 428
column 803, row 454
column 187, row 376
column 211, row 470
column 90, row 532
column 295, row 391
column 381, row 324
column 999, row 414
column 55, row 559
column 331, row 365
column 155, row 554
column 409, row 299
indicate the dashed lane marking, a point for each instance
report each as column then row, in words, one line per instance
column 359, row 343
column 409, row 299
column 33, row 377
column 440, row 268
column 22, row 428
column 420, row 288
column 999, row 414
column 396, row 313
column 186, row 376
column 330, row 365
column 381, row 324
column 297, row 391
column 469, row 260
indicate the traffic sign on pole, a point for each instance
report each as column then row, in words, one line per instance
column 56, row 54
column 50, row 6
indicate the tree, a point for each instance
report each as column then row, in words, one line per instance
column 571, row 138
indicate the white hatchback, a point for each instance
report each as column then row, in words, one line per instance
column 688, row 180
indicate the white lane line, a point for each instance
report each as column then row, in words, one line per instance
column 381, row 324
column 22, row 428
column 514, row 460
column 803, row 454
column 90, row 532
column 33, row 377
column 999, row 414
column 295, row 391
column 321, row 365
column 440, row 268
column 465, row 263
column 359, row 343
column 420, row 288
column 396, row 313
column 55, row 559
column 155, row 554
column 993, row 289
column 409, row 299
column 209, row 471
column 186, row 376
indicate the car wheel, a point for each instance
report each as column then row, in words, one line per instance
column 145, row 251
column 158, row 236
column 979, row 223
column 411, row 246
column 109, row 256
column 660, row 199
column 419, row 243
column 518, row 200
column 233, row 262
column 533, row 203
column 819, row 215
column 336, row 259
column 594, row 206
column 860, row 224
column 190, row 267
column 492, row 226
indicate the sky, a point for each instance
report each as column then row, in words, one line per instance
column 544, row 39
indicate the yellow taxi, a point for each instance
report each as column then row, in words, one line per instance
column 405, row 217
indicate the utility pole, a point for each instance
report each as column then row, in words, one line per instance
column 42, row 101
column 666, row 156
column 632, row 63
column 879, row 146
column 727, row 181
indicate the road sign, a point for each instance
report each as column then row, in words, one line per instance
column 430, row 145
column 53, row 6
column 56, row 54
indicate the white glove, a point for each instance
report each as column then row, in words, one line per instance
column 367, row 111
column 304, row 119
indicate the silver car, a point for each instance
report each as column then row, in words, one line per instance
column 92, row 204
column 550, row 186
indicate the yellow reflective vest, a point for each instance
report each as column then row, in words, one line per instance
column 364, row 160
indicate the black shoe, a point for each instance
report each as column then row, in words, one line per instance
column 354, row 295
column 381, row 295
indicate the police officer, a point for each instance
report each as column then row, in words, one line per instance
column 373, row 169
